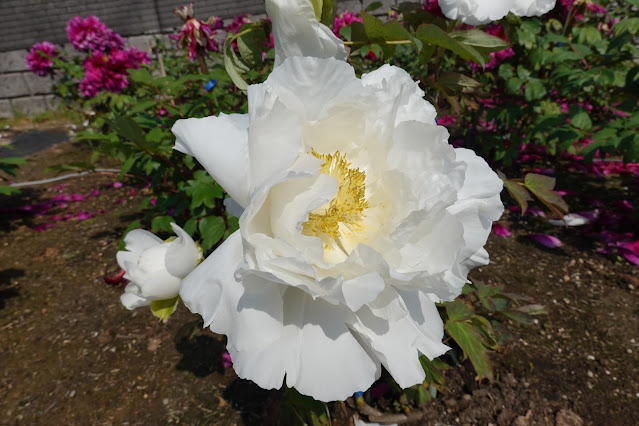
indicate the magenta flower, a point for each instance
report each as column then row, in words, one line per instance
column 546, row 240
column 91, row 34
column 501, row 230
column 432, row 7
column 39, row 58
column 109, row 72
column 344, row 19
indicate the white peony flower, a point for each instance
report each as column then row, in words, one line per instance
column 478, row 12
column 358, row 216
column 155, row 267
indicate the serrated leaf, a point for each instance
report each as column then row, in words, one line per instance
column 542, row 186
column 129, row 129
column 164, row 308
column 472, row 342
column 519, row 194
column 458, row 310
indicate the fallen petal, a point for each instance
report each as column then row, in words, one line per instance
column 546, row 240
column 501, row 230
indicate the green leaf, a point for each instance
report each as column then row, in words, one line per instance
column 581, row 120
column 162, row 223
column 542, row 186
column 129, row 129
column 458, row 83
column 518, row 193
column 479, row 39
column 164, row 308
column 251, row 42
column 433, row 35
column 534, row 89
column 458, row 310
column 212, row 230
column 520, row 317
column 141, row 75
column 473, row 343
column 233, row 65
column 8, row 190
column 373, row 6
column 630, row 25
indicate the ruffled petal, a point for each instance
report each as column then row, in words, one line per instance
column 182, row 255
column 317, row 352
column 400, row 96
column 203, row 289
column 296, row 32
column 220, row 144
column 398, row 341
column 475, row 12
column 532, row 7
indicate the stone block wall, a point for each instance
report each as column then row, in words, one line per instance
column 26, row 22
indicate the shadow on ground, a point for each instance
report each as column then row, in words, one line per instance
column 7, row 291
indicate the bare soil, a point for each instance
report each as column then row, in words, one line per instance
column 70, row 353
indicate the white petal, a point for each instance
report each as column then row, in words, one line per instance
column 220, row 144
column 296, row 32
column 480, row 180
column 310, row 87
column 317, row 353
column 572, row 219
column 532, row 7
column 159, row 285
column 131, row 300
column 401, row 94
column 478, row 206
column 139, row 240
column 362, row 290
column 203, row 289
column 475, row 12
column 275, row 136
column 398, row 342
column 182, row 255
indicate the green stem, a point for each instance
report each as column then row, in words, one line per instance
column 393, row 42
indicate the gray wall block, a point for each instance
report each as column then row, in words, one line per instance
column 30, row 105
column 5, row 108
column 13, row 85
column 13, row 61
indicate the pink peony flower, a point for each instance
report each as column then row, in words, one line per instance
column 39, row 58
column 91, row 34
column 108, row 72
column 432, row 7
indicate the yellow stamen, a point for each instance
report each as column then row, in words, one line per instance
column 346, row 207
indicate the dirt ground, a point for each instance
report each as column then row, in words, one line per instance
column 71, row 354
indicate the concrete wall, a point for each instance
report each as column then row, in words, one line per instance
column 25, row 22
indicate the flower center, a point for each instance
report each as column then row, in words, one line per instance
column 343, row 214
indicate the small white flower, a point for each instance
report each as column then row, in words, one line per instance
column 155, row 267
column 478, row 12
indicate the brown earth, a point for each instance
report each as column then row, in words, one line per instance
column 71, row 354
